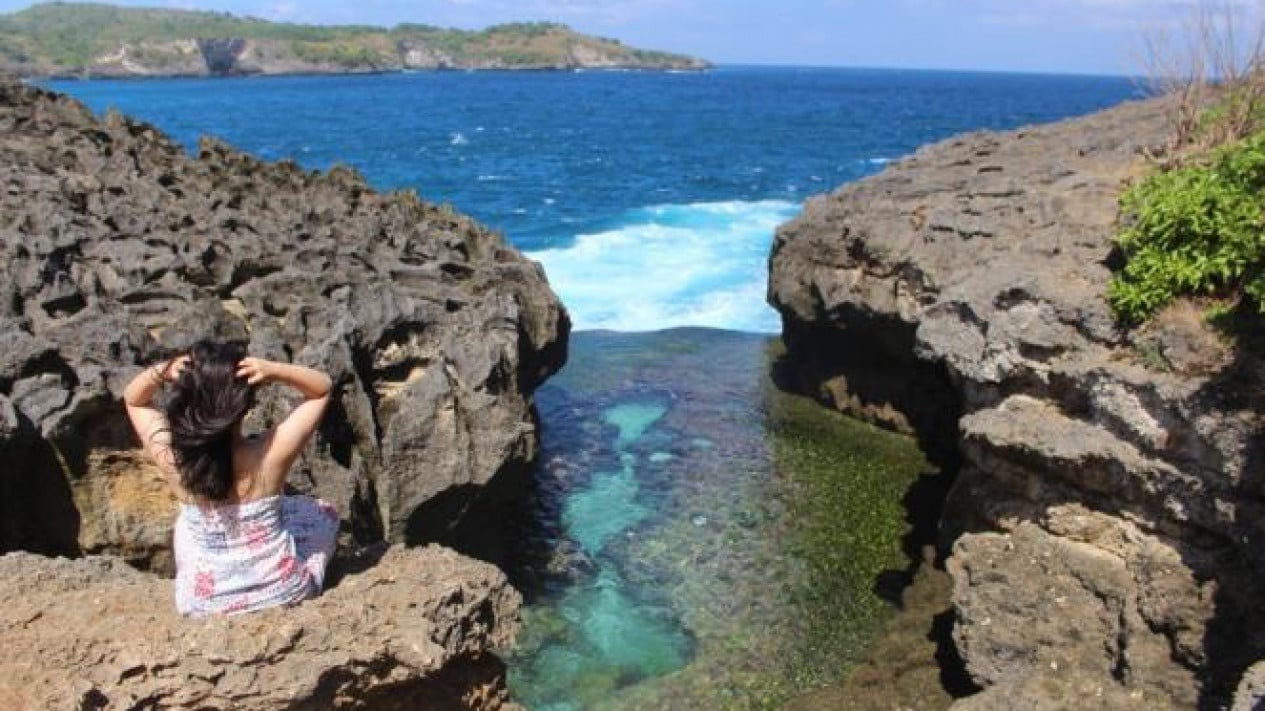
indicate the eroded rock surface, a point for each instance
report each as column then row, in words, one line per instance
column 1107, row 513
column 412, row 632
column 119, row 249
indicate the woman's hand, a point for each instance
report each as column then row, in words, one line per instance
column 313, row 384
column 256, row 371
column 168, row 371
column 174, row 367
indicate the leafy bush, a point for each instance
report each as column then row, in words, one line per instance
column 1195, row 230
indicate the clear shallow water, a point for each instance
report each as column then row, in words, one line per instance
column 697, row 540
column 651, row 198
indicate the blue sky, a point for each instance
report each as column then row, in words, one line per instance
column 1081, row 36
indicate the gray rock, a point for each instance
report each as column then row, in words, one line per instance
column 960, row 296
column 1033, row 604
column 120, row 250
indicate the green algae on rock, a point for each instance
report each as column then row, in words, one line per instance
column 846, row 519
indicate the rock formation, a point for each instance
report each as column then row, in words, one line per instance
column 1105, row 524
column 411, row 632
column 120, row 250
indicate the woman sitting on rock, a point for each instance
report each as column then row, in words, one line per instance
column 240, row 545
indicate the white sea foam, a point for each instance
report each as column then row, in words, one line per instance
column 458, row 139
column 704, row 264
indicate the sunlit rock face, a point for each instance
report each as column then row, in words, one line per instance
column 1104, row 528
column 120, row 250
column 412, row 631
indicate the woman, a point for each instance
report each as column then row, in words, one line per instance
column 240, row 545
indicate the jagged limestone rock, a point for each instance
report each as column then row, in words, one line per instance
column 119, row 249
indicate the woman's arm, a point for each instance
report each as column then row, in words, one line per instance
column 149, row 423
column 288, row 438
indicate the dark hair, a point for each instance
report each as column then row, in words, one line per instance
column 206, row 403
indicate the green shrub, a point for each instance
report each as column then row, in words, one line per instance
column 1195, row 230
column 338, row 53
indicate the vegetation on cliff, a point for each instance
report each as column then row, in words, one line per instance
column 1197, row 230
column 89, row 38
column 1195, row 227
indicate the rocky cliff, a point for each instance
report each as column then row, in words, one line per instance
column 119, row 250
column 97, row 40
column 1104, row 531
column 411, row 632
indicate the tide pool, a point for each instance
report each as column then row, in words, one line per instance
column 605, row 508
column 708, row 541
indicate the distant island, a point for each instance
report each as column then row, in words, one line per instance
column 89, row 40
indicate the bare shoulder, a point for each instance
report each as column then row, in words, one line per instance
column 261, row 444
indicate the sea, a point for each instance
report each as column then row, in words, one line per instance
column 677, row 550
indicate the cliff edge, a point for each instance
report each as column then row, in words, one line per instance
column 119, row 250
column 1106, row 517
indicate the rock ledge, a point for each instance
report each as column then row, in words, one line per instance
column 413, row 632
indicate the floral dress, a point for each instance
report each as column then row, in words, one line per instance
column 234, row 558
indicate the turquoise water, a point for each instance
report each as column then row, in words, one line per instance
column 605, row 508
column 629, row 433
column 667, row 557
column 609, row 632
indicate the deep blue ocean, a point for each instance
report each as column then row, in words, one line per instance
column 650, row 197
column 664, row 564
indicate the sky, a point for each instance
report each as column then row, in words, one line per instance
column 1072, row 36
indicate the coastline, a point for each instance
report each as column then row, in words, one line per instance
column 709, row 68
column 33, row 78
column 493, row 70
column 71, row 40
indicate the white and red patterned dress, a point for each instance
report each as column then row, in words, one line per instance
column 234, row 558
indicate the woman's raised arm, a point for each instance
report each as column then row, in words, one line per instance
column 289, row 437
column 149, row 423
